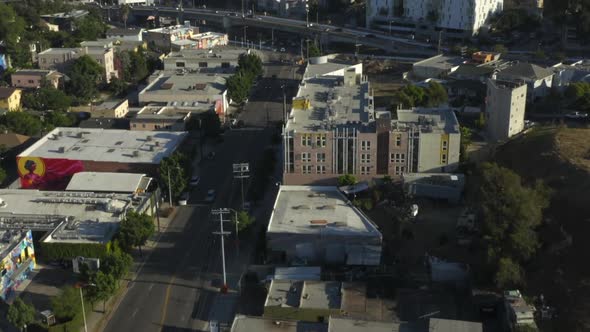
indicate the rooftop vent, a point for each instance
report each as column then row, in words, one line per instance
column 318, row 222
column 135, row 153
column 302, row 207
column 148, row 138
column 61, row 149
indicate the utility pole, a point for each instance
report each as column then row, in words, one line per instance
column 241, row 171
column 242, row 8
column 284, row 105
column 272, row 37
column 169, row 187
column 306, row 14
column 245, row 39
column 221, row 233
column 307, row 45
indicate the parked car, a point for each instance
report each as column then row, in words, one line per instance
column 576, row 115
column 210, row 198
column 414, row 210
column 195, row 180
column 283, row 49
column 183, row 200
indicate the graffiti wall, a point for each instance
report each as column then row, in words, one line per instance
column 46, row 174
column 16, row 265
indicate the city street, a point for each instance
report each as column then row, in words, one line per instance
column 176, row 287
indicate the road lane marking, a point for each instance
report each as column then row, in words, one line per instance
column 166, row 299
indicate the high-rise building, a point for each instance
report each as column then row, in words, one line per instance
column 505, row 105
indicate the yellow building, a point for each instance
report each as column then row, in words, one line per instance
column 10, row 98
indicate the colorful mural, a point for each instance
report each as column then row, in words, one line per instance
column 46, row 174
column 16, row 265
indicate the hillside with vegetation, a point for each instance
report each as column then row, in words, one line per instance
column 560, row 157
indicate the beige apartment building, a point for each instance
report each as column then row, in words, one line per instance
column 33, row 78
column 333, row 129
column 61, row 59
column 505, row 106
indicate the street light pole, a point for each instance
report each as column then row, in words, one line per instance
column 83, row 311
column 306, row 14
column 241, row 171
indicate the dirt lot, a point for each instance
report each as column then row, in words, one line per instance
column 385, row 77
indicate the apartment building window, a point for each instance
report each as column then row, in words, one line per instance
column 365, row 170
column 399, row 170
column 306, row 140
column 321, row 169
column 445, row 145
column 306, row 169
column 397, row 158
column 444, row 158
column 305, row 157
column 180, row 65
column 398, row 140
column 31, row 81
column 321, row 157
column 44, row 60
column 202, row 64
column 365, row 145
column 320, row 140
column 365, row 157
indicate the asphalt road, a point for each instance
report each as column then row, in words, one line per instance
column 265, row 105
column 176, row 287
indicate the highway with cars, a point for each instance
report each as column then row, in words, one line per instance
column 362, row 36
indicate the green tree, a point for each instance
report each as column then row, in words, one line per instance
column 67, row 304
column 138, row 66
column 22, row 123
column 173, row 173
column 85, row 74
column 90, row 28
column 2, row 175
column 314, row 50
column 44, row 99
column 20, row 314
column 60, row 119
column 436, row 94
column 510, row 212
column 251, row 64
column 238, row 87
column 346, row 180
column 244, row 220
column 104, row 287
column 117, row 87
column 135, row 230
column 117, row 263
column 509, row 274
column 499, row 48
column 466, row 135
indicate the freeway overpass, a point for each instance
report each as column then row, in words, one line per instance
column 327, row 33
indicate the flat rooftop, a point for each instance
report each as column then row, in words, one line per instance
column 449, row 325
column 259, row 324
column 74, row 217
column 342, row 324
column 222, row 53
column 36, row 72
column 428, row 120
column 106, row 145
column 61, row 50
column 319, row 210
column 108, row 182
column 109, row 104
column 331, row 102
column 321, row 295
column 284, row 293
column 441, row 62
column 171, row 83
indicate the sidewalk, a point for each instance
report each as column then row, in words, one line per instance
column 96, row 319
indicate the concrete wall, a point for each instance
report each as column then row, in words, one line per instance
column 505, row 110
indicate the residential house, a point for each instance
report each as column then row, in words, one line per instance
column 438, row 66
column 10, row 98
column 162, row 38
column 62, row 58
column 538, row 79
column 151, row 118
column 34, row 78
column 114, row 108
column 217, row 59
column 131, row 34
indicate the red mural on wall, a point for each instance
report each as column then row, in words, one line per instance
column 46, row 174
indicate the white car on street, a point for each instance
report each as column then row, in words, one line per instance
column 210, row 198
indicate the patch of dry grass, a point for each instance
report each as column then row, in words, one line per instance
column 573, row 144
